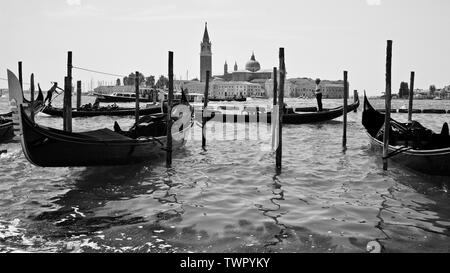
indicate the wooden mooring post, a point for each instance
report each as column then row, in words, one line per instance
column 344, row 109
column 411, row 96
column 272, row 122
column 355, row 99
column 205, row 104
column 281, row 109
column 136, row 89
column 275, row 86
column 78, row 94
column 20, row 75
column 169, row 113
column 67, row 107
column 387, row 117
column 32, row 97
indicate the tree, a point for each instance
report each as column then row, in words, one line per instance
column 162, row 82
column 403, row 92
column 118, row 82
column 432, row 89
column 150, row 81
column 130, row 79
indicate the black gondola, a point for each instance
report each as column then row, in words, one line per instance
column 48, row 147
column 410, row 144
column 6, row 127
column 299, row 116
column 102, row 111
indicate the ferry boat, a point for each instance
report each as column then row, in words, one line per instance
column 122, row 97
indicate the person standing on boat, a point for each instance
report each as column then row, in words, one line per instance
column 318, row 95
column 50, row 94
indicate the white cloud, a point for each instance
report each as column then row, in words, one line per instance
column 73, row 2
column 373, row 2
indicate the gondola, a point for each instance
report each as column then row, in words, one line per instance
column 290, row 116
column 410, row 144
column 6, row 127
column 102, row 111
column 48, row 147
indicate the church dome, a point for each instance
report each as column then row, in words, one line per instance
column 252, row 65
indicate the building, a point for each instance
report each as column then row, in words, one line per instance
column 252, row 81
column 205, row 55
column 219, row 89
column 235, row 89
column 306, row 87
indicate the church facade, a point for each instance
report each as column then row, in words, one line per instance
column 251, row 72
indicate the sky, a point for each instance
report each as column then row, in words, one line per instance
column 322, row 38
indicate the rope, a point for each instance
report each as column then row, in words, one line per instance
column 104, row 73
column 397, row 151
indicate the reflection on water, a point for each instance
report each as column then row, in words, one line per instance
column 228, row 198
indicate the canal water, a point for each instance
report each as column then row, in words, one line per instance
column 228, row 197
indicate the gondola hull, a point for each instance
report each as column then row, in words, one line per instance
column 6, row 131
column 58, row 112
column 432, row 162
column 428, row 161
column 47, row 147
column 302, row 117
column 229, row 99
column 6, row 127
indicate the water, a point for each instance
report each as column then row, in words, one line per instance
column 228, row 198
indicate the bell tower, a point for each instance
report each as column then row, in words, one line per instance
column 205, row 55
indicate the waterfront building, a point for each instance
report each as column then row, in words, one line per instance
column 109, row 89
column 220, row 89
column 305, row 88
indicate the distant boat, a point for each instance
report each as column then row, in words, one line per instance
column 423, row 151
column 102, row 111
column 227, row 99
column 121, row 97
column 131, row 97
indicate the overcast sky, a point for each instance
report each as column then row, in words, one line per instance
column 321, row 38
